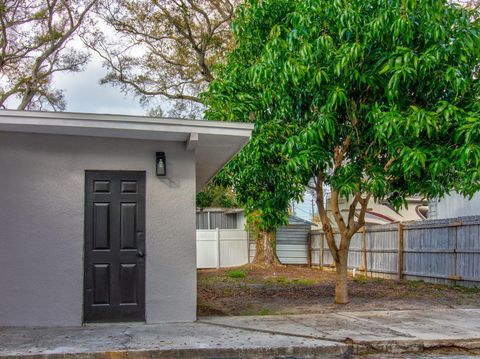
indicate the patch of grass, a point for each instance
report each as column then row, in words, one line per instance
column 265, row 311
column 393, row 285
column 415, row 283
column 469, row 290
column 303, row 281
column 287, row 281
column 276, row 280
column 236, row 273
column 360, row 279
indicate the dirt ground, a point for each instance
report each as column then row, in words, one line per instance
column 293, row 290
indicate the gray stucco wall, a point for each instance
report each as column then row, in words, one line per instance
column 42, row 224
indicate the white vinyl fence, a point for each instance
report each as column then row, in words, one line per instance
column 220, row 248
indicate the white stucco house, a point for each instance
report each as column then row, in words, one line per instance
column 454, row 205
column 380, row 212
column 97, row 215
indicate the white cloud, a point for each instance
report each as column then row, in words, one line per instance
column 83, row 92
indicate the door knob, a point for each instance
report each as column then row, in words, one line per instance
column 140, row 254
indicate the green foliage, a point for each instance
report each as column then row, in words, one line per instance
column 277, row 280
column 371, row 96
column 236, row 273
column 286, row 281
column 263, row 184
column 360, row 279
column 215, row 195
column 265, row 311
column 415, row 283
column 468, row 290
column 303, row 281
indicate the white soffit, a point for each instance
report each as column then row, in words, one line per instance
column 214, row 142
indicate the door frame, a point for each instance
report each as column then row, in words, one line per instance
column 143, row 179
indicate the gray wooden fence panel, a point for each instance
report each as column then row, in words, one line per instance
column 382, row 250
column 440, row 251
column 468, row 252
column 429, row 252
column 355, row 257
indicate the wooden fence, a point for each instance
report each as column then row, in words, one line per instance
column 439, row 251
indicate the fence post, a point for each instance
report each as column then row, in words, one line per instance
column 309, row 247
column 248, row 245
column 322, row 244
column 364, row 251
column 217, row 240
column 455, row 257
column 400, row 252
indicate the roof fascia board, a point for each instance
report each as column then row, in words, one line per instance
column 192, row 141
column 110, row 121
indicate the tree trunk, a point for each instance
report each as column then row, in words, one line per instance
column 265, row 249
column 341, row 288
column 347, row 230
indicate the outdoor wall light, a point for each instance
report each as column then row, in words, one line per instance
column 161, row 164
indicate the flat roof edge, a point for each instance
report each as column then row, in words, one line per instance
column 121, row 119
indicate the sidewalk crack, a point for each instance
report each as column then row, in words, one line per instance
column 390, row 330
column 274, row 332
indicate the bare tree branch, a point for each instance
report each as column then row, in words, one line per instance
column 33, row 46
column 163, row 48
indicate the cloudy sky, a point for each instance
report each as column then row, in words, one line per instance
column 84, row 93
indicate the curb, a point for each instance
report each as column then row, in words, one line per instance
column 304, row 352
column 345, row 350
column 411, row 345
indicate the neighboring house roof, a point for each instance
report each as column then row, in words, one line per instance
column 214, row 142
column 298, row 220
column 291, row 219
column 219, row 209
column 383, row 213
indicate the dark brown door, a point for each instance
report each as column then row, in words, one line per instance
column 114, row 246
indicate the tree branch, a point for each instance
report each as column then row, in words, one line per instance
column 322, row 212
column 336, row 212
column 340, row 151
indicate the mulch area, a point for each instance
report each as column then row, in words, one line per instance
column 251, row 290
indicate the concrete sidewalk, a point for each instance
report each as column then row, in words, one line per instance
column 335, row 335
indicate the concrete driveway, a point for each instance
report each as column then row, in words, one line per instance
column 336, row 335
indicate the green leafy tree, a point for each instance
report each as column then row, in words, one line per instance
column 380, row 98
column 215, row 195
column 263, row 184
column 264, row 188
